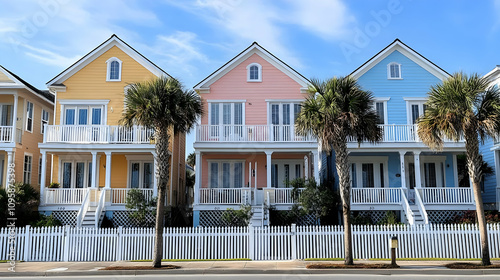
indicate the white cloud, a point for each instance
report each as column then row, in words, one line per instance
column 48, row 57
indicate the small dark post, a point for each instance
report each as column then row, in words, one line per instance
column 394, row 245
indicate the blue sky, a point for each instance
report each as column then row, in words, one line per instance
column 190, row 39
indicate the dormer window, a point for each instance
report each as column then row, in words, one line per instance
column 114, row 72
column 254, row 73
column 394, row 71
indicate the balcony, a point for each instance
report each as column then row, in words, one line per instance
column 249, row 133
column 399, row 133
column 100, row 134
column 6, row 134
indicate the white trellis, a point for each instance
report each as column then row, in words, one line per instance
column 256, row 243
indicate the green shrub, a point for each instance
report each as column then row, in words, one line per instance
column 46, row 221
column 137, row 202
column 26, row 201
column 237, row 218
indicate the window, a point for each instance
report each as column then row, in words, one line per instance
column 40, row 170
column 254, row 73
column 141, row 175
column 28, row 159
column 415, row 108
column 29, row 116
column 232, row 116
column 77, row 173
column 83, row 115
column 114, row 71
column 6, row 115
column 369, row 172
column 394, row 71
column 45, row 119
column 226, row 174
column 282, row 118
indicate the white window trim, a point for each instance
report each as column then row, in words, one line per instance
column 375, row 160
column 41, row 119
column 382, row 100
column 221, row 112
column 81, row 158
column 389, row 71
column 231, row 177
column 259, row 67
column 32, row 117
column 24, row 170
column 108, row 70
column 82, row 103
column 414, row 101
column 141, row 159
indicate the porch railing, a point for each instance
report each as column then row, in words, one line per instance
column 225, row 195
column 249, row 133
column 87, row 134
column 398, row 133
column 283, row 195
column 64, row 196
column 6, row 134
column 447, row 195
column 376, row 195
column 119, row 196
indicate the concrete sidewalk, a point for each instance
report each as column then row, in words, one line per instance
column 230, row 267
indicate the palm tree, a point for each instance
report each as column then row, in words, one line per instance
column 335, row 111
column 163, row 105
column 468, row 106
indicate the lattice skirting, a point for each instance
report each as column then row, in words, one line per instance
column 443, row 216
column 67, row 218
column 122, row 218
column 281, row 218
column 212, row 218
column 376, row 215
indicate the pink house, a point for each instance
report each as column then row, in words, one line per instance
column 246, row 147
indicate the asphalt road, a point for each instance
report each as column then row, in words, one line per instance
column 268, row 277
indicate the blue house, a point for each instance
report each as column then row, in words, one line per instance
column 401, row 173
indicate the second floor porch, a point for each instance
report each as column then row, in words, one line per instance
column 98, row 134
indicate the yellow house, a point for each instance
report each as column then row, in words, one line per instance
column 96, row 162
column 24, row 110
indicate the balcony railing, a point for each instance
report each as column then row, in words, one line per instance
column 119, row 196
column 398, row 133
column 64, row 196
column 225, row 196
column 6, row 134
column 447, row 195
column 376, row 195
column 86, row 134
column 249, row 133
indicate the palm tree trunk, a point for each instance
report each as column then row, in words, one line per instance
column 474, row 163
column 162, row 175
column 342, row 165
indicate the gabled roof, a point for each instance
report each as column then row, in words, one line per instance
column 406, row 51
column 105, row 46
column 20, row 83
column 254, row 48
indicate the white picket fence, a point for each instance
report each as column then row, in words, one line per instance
column 256, row 243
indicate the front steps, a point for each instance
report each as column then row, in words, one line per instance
column 90, row 217
column 259, row 218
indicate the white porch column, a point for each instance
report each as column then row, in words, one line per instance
column 306, row 167
column 9, row 162
column 403, row 170
column 316, row 165
column 94, row 170
column 155, row 180
column 43, row 176
column 268, row 170
column 197, row 177
column 107, row 184
column 418, row 178
column 14, row 122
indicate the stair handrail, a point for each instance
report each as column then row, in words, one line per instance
column 100, row 207
column 421, row 207
column 83, row 209
column 407, row 208
column 265, row 207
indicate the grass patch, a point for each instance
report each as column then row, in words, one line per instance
column 471, row 266
column 325, row 259
column 191, row 260
column 354, row 266
column 163, row 267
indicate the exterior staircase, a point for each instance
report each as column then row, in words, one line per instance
column 90, row 217
column 417, row 216
column 259, row 217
